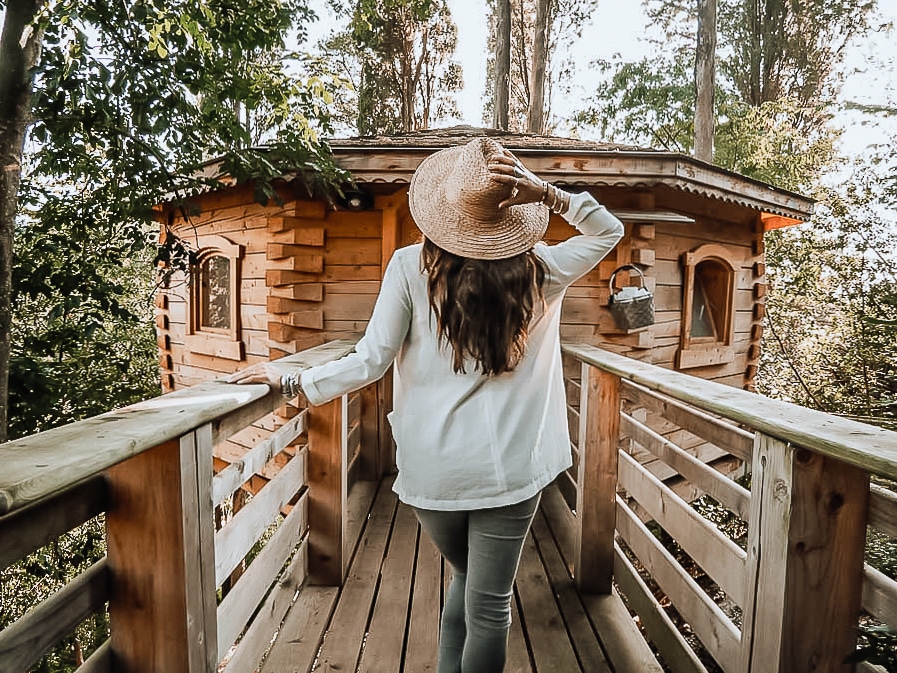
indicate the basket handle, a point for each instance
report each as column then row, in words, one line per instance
column 626, row 267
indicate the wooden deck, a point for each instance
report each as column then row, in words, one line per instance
column 386, row 616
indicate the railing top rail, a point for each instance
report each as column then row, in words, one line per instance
column 865, row 446
column 40, row 465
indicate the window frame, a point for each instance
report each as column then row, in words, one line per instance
column 706, row 351
column 218, row 342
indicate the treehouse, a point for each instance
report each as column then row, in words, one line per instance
column 274, row 280
column 246, row 533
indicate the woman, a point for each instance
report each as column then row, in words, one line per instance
column 470, row 317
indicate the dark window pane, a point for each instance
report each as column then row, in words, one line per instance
column 215, row 293
column 701, row 319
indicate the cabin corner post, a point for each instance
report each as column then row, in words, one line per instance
column 161, row 548
column 327, row 492
column 805, row 554
column 599, row 423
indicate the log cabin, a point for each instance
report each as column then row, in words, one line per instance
column 273, row 280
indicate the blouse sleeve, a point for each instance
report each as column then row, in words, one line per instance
column 375, row 351
column 599, row 231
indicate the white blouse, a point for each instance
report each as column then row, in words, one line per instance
column 469, row 441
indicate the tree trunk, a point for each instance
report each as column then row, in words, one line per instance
column 705, row 78
column 535, row 121
column 16, row 63
column 502, row 84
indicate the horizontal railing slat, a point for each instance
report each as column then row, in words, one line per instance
column 100, row 661
column 717, row 485
column 38, row 466
column 240, row 603
column 25, row 641
column 230, row 478
column 861, row 445
column 27, row 530
column 711, row 625
column 721, row 433
column 720, row 558
column 675, row 650
column 257, row 639
column 883, row 510
column 234, row 541
column 880, row 596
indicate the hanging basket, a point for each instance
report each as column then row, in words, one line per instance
column 631, row 307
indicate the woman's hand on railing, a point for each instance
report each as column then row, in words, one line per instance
column 269, row 373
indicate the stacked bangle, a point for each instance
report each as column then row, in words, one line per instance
column 560, row 200
column 290, row 385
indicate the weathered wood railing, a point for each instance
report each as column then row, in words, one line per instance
column 148, row 469
column 789, row 601
column 198, row 579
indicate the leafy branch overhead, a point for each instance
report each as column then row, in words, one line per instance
column 131, row 102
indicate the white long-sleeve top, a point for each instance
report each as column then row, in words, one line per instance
column 466, row 440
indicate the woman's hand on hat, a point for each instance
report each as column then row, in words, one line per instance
column 508, row 170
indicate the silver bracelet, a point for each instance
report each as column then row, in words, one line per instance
column 290, row 385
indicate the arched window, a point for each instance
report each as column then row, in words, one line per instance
column 707, row 308
column 215, row 300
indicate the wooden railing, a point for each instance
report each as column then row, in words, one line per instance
column 789, row 597
column 198, row 575
column 185, row 593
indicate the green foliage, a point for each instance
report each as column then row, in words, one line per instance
column 832, row 305
column 397, row 55
column 878, row 645
column 649, row 102
column 769, row 142
column 43, row 573
column 130, row 101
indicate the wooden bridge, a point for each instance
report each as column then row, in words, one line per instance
column 319, row 568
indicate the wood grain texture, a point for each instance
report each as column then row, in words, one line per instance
column 233, row 542
column 328, row 492
column 857, row 444
column 807, row 559
column 244, row 597
column 24, row 642
column 710, row 624
column 145, row 532
column 29, row 529
column 675, row 650
column 721, row 559
column 597, row 481
column 38, row 466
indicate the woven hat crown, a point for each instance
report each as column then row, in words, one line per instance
column 454, row 200
column 468, row 187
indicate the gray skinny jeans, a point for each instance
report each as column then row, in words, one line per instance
column 483, row 547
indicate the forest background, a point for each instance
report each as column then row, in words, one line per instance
column 126, row 100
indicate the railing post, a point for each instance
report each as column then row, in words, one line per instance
column 161, row 551
column 599, row 425
column 805, row 554
column 327, row 492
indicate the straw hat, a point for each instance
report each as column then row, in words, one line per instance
column 454, row 202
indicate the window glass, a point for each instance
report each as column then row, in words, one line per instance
column 215, row 293
column 701, row 320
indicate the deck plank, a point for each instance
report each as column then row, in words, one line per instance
column 386, row 637
column 300, row 636
column 549, row 640
column 585, row 642
column 386, row 617
column 343, row 641
column 423, row 624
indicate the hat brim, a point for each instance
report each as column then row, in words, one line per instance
column 517, row 228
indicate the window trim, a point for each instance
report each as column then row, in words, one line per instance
column 223, row 343
column 706, row 351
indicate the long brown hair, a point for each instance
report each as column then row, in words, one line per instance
column 483, row 307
